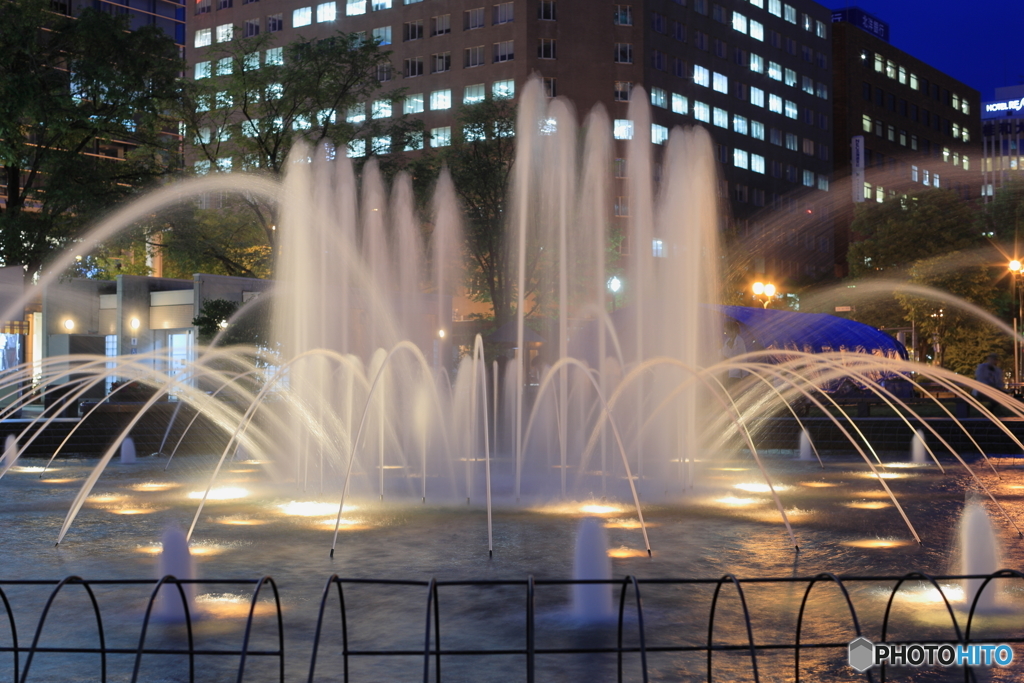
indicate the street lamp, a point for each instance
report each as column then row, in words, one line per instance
column 1015, row 269
column 764, row 289
column 614, row 285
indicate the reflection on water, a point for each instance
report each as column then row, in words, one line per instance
column 842, row 527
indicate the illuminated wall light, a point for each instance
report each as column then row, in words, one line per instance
column 69, row 324
column 134, row 323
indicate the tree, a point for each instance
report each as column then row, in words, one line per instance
column 72, row 90
column 257, row 101
column 946, row 332
column 252, row 327
column 480, row 161
column 900, row 231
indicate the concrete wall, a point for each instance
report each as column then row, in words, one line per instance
column 77, row 300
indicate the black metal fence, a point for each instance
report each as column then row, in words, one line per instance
column 633, row 648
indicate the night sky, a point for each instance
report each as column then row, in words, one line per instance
column 978, row 42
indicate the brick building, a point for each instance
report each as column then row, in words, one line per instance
column 756, row 73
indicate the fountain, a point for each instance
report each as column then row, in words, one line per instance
column 360, row 425
column 979, row 554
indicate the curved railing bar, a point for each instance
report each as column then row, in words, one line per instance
column 800, row 616
column 531, row 644
column 334, row 579
column 892, row 596
column 42, row 621
column 622, row 609
column 640, row 626
column 974, row 603
column 746, row 616
column 145, row 626
column 14, row 630
column 431, row 607
column 248, row 626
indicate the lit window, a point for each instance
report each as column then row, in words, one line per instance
column 757, row 97
column 274, row 91
column 441, row 137
column 275, row 56
column 823, row 185
column 721, row 83
column 820, row 30
column 821, row 91
column 503, row 90
column 721, row 118
column 413, row 104
column 202, row 70
column 956, row 130
column 757, row 130
column 791, row 78
column 756, row 63
column 913, row 82
column 879, row 63
column 756, row 30
column 381, row 145
column 224, row 66
column 382, row 35
column 622, row 129
column 791, row 109
column 381, row 4
column 789, row 13
column 865, row 122
column 326, row 11
column 441, row 99
column 202, row 167
column 623, row 91
column 775, row 71
column 739, row 22
column 702, row 112
column 204, row 37
column 658, row 248
column 739, row 124
column 775, row 104
column 659, row 98
column 223, row 100
column 381, row 109
column 792, row 140
column 775, row 7
column 659, row 134
column 757, row 163
column 809, row 178
column 356, row 113
column 967, row 165
column 357, row 148
column 680, row 104
column 945, row 154
column 352, row 8
column 740, row 158
column 414, row 141
column 807, row 85
column 890, row 68
column 473, row 94
column 302, row 17
column 225, row 32
column 701, row 76
column 224, row 165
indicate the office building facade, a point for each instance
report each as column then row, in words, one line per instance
column 756, row 73
column 901, row 126
column 1002, row 126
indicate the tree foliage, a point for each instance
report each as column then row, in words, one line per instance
column 221, row 316
column 69, row 89
column 480, row 161
column 900, row 231
column 259, row 101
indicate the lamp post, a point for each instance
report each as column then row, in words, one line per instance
column 1015, row 268
column 763, row 289
column 614, row 285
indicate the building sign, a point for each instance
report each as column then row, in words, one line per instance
column 1003, row 109
column 857, row 159
column 863, row 21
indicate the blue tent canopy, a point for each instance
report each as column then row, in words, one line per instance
column 810, row 332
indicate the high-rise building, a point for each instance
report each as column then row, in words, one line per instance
column 755, row 73
column 900, row 125
column 167, row 15
column 1002, row 126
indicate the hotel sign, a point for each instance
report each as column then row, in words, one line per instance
column 1003, row 109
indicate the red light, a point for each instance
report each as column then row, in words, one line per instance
column 810, row 211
